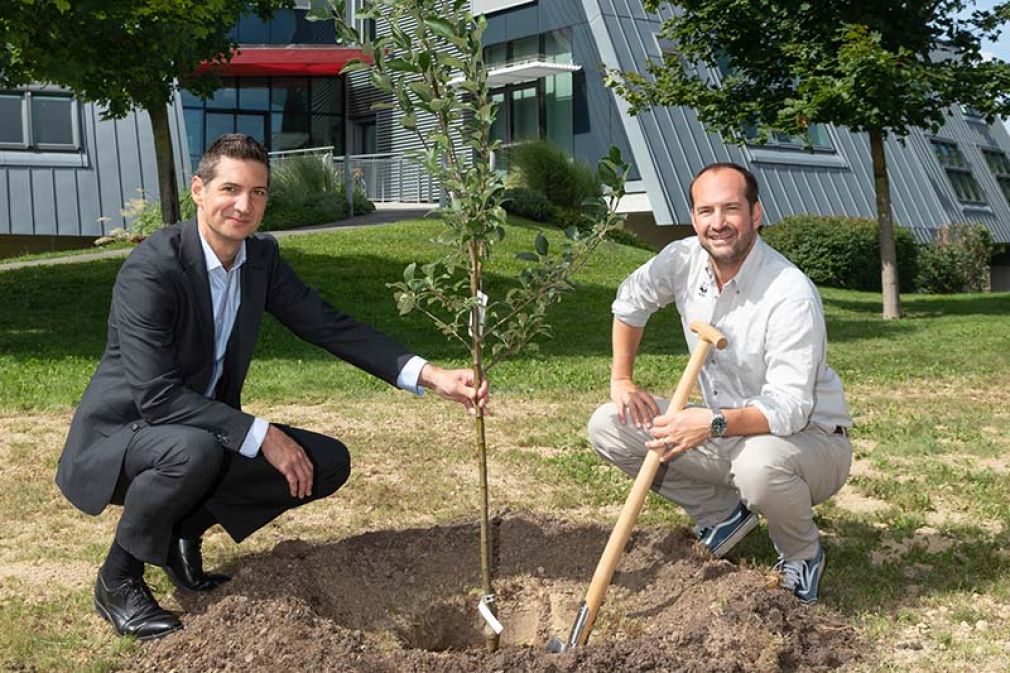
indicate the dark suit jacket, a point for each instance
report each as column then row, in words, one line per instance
column 159, row 355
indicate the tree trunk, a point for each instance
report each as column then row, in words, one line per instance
column 168, row 187
column 491, row 639
column 888, row 254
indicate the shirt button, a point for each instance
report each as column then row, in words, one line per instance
column 715, row 393
column 134, row 427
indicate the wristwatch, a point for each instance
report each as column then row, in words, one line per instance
column 717, row 426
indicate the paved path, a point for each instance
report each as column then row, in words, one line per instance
column 384, row 214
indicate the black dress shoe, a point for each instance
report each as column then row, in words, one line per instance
column 185, row 567
column 132, row 610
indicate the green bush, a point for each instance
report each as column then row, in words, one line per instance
column 546, row 168
column 147, row 214
column 840, row 251
column 304, row 191
column 527, row 203
column 958, row 261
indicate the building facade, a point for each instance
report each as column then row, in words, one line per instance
column 65, row 171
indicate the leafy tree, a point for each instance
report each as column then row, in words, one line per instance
column 428, row 59
column 876, row 67
column 123, row 55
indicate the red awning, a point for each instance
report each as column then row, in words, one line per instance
column 284, row 61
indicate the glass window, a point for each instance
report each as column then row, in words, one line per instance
column 12, row 125
column 289, row 131
column 225, row 98
column 496, row 54
column 816, row 138
column 283, row 26
column 999, row 166
column 252, row 30
column 525, row 115
column 289, row 94
column 558, row 111
column 218, row 123
column 194, row 132
column 253, row 93
column 190, row 99
column 499, row 125
column 254, row 125
column 958, row 171
column 558, row 46
column 53, row 120
column 526, row 48
column 40, row 120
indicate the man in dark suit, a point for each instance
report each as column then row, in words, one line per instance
column 160, row 428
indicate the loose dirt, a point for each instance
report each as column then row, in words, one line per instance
column 404, row 600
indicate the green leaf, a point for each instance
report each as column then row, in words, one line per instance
column 541, row 243
column 408, row 273
column 405, row 303
column 402, row 65
column 527, row 257
column 441, row 27
column 354, row 66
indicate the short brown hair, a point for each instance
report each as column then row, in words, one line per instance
column 751, row 190
column 234, row 146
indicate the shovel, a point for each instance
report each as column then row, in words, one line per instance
column 708, row 337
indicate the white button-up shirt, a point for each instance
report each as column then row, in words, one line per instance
column 772, row 316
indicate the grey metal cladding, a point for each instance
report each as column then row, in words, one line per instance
column 671, row 145
column 83, row 193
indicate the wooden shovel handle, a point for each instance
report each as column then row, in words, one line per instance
column 708, row 337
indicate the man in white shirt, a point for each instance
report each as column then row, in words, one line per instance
column 160, row 429
column 772, row 436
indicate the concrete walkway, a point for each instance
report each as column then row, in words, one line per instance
column 384, row 214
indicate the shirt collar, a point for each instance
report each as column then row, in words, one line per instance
column 211, row 257
column 751, row 263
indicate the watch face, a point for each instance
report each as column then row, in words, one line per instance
column 718, row 425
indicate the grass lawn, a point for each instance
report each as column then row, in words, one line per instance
column 917, row 541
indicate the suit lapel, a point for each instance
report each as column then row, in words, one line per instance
column 191, row 252
column 243, row 334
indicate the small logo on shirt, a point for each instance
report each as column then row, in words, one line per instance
column 703, row 288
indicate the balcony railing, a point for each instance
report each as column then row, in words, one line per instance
column 382, row 177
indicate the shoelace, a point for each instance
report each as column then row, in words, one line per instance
column 790, row 572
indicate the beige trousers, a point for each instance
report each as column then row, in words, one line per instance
column 781, row 478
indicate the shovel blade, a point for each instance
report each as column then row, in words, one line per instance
column 555, row 645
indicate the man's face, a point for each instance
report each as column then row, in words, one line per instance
column 230, row 206
column 724, row 221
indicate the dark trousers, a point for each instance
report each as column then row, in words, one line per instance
column 171, row 472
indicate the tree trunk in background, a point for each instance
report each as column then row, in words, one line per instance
column 168, row 186
column 888, row 254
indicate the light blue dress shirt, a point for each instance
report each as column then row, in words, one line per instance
column 226, row 298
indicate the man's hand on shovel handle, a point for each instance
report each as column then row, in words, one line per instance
column 676, row 432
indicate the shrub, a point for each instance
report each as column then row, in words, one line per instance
column 957, row 261
column 527, row 203
column 305, row 190
column 546, row 168
column 841, row 251
column 147, row 214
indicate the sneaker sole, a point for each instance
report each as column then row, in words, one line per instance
column 749, row 524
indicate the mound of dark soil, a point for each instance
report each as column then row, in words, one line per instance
column 394, row 601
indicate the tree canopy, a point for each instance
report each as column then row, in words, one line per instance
column 123, row 55
column 870, row 66
column 751, row 68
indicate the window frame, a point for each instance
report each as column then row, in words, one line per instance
column 28, row 143
column 775, row 143
column 1002, row 173
column 962, row 170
